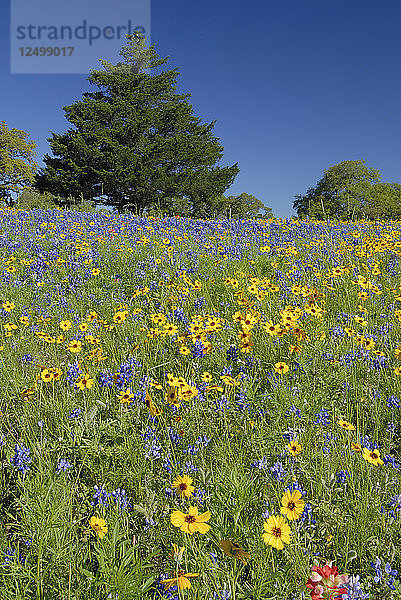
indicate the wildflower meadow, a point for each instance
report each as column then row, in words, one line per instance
column 199, row 409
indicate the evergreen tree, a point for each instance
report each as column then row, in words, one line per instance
column 135, row 142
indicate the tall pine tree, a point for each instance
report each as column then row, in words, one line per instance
column 135, row 141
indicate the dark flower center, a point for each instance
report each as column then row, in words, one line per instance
column 276, row 532
column 291, row 505
column 183, row 486
column 190, row 519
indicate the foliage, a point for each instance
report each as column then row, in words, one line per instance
column 17, row 161
column 135, row 142
column 350, row 190
column 243, row 206
column 256, row 362
column 30, row 199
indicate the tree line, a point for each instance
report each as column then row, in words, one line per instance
column 135, row 145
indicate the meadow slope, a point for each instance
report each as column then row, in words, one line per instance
column 198, row 409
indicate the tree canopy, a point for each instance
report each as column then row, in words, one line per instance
column 350, row 190
column 17, row 162
column 135, row 141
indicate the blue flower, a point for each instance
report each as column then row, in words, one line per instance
column 100, row 497
column 21, row 458
column 74, row 414
column 63, row 465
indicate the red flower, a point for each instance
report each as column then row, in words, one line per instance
column 325, row 583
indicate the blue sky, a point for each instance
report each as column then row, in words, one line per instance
column 294, row 87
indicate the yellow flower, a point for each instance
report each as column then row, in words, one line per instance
column 356, row 447
column 65, row 325
column 234, row 550
column 57, row 373
column 346, row 425
column 294, row 447
column 372, row 456
column 84, row 382
column 98, row 525
column 184, row 350
column 47, row 375
column 206, row 377
column 84, row 327
column 126, row 397
column 183, row 486
column 191, row 522
column 281, row 368
column 180, row 579
column 292, row 505
column 8, row 306
column 95, row 272
column 397, row 370
column 277, row 532
column 75, row 346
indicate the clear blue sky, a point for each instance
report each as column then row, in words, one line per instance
column 295, row 87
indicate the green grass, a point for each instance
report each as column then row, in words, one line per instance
column 233, row 440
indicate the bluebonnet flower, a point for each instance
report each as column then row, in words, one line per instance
column 21, row 458
column 72, row 373
column 74, row 414
column 190, row 467
column 266, row 512
column 391, row 428
column 395, row 503
column 174, row 436
column 100, row 497
column 376, row 394
column 393, row 402
column 120, row 498
column 149, row 522
column 41, row 424
column 222, row 404
column 232, row 353
column 28, row 358
column 295, row 486
column 63, row 465
column 378, row 570
column 223, row 594
column 293, row 410
column 199, row 302
column 167, row 465
column 153, row 450
column 337, row 332
column 2, row 440
column 261, row 464
column 392, row 573
column 277, row 471
column 105, row 378
column 197, row 349
column 390, row 461
column 159, row 592
column 10, row 556
column 354, row 590
column 240, row 401
column 342, row 476
column 203, row 441
column 322, row 418
column 307, row 514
